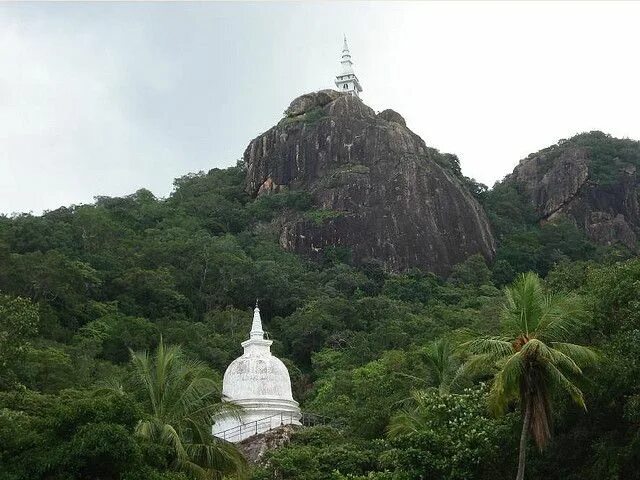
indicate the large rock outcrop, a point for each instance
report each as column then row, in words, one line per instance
column 590, row 179
column 377, row 189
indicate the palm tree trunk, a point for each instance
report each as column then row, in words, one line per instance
column 523, row 441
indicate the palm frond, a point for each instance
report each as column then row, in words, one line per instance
column 479, row 365
column 224, row 456
column 506, row 383
column 581, row 355
column 443, row 363
column 461, row 376
column 111, row 385
column 524, row 303
column 409, row 419
column 404, row 422
column 560, row 380
column 563, row 318
column 564, row 362
column 495, row 346
column 182, row 401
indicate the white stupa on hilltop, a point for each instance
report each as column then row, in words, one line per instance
column 260, row 384
column 346, row 80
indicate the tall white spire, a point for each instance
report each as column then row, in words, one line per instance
column 257, row 344
column 346, row 80
column 347, row 64
column 256, row 324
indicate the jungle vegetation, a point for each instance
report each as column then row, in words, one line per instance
column 108, row 310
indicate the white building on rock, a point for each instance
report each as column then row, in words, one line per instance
column 346, row 80
column 260, row 384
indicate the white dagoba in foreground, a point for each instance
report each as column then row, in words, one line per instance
column 260, row 384
column 346, row 80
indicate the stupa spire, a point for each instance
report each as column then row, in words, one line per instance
column 256, row 324
column 347, row 64
column 346, row 80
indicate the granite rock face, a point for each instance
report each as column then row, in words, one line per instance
column 307, row 102
column 392, row 116
column 254, row 448
column 377, row 189
column 590, row 179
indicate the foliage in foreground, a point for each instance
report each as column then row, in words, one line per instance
column 179, row 400
column 88, row 283
column 533, row 357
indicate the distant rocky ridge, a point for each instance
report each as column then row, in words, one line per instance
column 377, row 189
column 590, row 179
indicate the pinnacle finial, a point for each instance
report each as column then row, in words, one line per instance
column 346, row 80
column 256, row 324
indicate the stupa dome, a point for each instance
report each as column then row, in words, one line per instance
column 260, row 384
column 256, row 376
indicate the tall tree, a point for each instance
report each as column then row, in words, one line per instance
column 18, row 322
column 180, row 400
column 533, row 358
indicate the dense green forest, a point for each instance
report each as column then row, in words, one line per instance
column 388, row 358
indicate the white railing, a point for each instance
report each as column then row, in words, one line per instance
column 266, row 424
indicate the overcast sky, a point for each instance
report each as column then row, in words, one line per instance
column 107, row 98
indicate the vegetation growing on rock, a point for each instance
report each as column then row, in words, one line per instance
column 590, row 179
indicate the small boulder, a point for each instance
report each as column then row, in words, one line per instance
column 306, row 102
column 254, row 448
column 392, row 116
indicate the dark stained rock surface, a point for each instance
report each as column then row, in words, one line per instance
column 378, row 190
column 590, row 179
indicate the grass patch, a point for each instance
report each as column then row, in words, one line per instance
column 310, row 117
column 322, row 215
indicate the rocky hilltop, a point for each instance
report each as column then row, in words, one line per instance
column 377, row 189
column 590, row 179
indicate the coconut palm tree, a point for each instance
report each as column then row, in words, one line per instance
column 445, row 374
column 443, row 365
column 180, row 399
column 410, row 418
column 533, row 358
column 444, row 369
